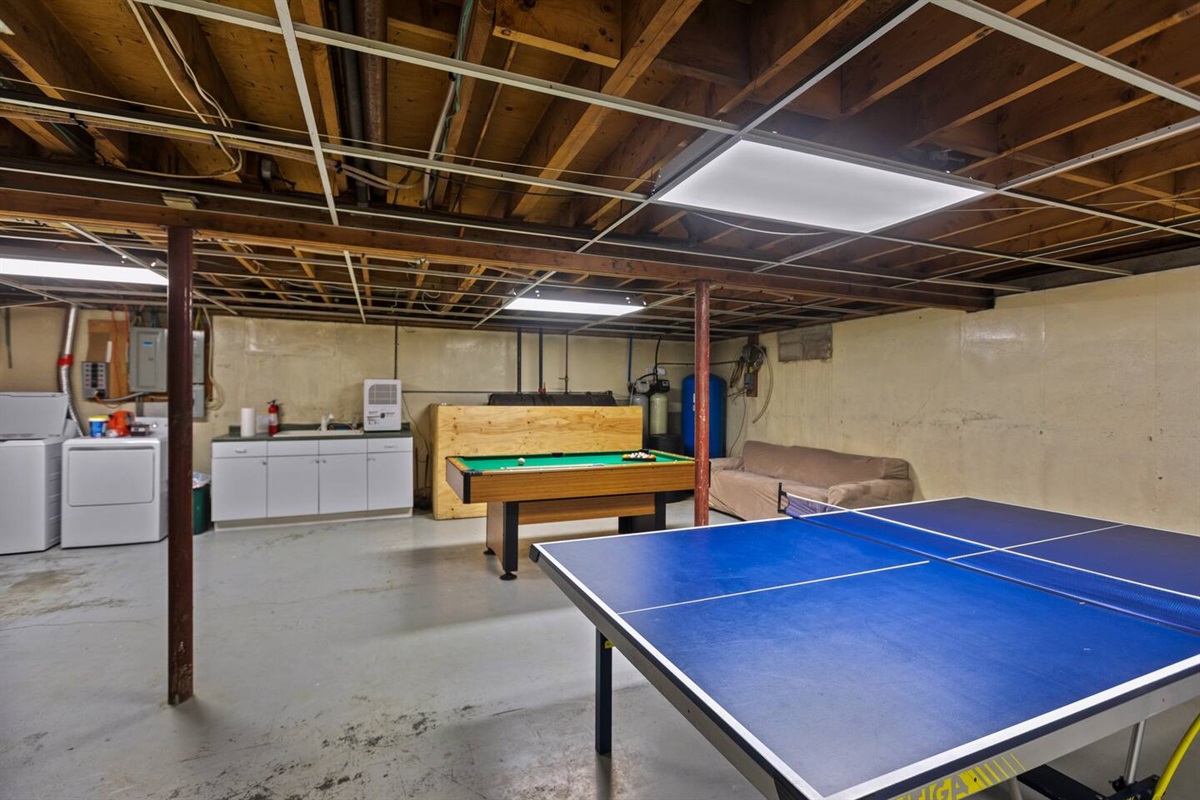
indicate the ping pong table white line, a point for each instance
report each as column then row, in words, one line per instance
column 670, row 668
column 1008, row 734
column 773, row 588
column 1043, row 510
column 786, row 770
column 856, row 512
column 1036, row 541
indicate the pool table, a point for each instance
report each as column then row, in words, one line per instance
column 552, row 487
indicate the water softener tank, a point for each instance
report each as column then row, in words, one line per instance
column 641, row 400
column 658, row 413
column 716, row 416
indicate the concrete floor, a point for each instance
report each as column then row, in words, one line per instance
column 352, row 660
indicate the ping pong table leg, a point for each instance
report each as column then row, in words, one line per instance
column 603, row 694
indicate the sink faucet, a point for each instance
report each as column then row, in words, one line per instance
column 325, row 420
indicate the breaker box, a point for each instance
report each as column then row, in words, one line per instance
column 148, row 364
column 95, row 380
column 147, row 360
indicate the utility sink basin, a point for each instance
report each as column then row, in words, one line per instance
column 314, row 433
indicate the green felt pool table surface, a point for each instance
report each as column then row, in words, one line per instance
column 549, row 461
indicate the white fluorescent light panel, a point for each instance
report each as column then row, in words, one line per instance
column 775, row 183
column 571, row 307
column 73, row 271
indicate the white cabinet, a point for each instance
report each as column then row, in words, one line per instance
column 239, row 487
column 292, row 485
column 343, row 483
column 302, row 477
column 389, row 480
column 389, row 473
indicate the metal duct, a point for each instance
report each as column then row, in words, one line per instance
column 372, row 23
column 350, row 77
column 65, row 358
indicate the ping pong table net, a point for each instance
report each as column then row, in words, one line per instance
column 1163, row 606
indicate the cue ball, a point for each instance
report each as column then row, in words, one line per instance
column 520, row 462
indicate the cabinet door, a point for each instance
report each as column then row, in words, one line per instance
column 343, row 483
column 291, row 485
column 239, row 488
column 389, row 480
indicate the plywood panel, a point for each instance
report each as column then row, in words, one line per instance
column 501, row 430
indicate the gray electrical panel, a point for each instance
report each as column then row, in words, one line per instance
column 199, row 371
column 147, row 360
column 198, row 357
column 148, row 364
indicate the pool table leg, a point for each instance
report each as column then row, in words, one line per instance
column 647, row 522
column 508, row 549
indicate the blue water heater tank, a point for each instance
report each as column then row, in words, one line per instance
column 716, row 416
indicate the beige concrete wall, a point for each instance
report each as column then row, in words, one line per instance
column 314, row 368
column 1083, row 399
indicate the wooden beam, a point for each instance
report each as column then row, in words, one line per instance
column 713, row 45
column 310, row 272
column 428, row 18
column 995, row 73
column 311, row 13
column 320, row 237
column 243, row 257
column 917, row 46
column 46, row 53
column 567, row 126
column 466, row 283
column 195, row 54
column 640, row 157
column 586, row 31
column 478, row 32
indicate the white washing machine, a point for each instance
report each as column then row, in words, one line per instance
column 114, row 490
column 33, row 427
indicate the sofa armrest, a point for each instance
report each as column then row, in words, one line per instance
column 878, row 492
column 718, row 464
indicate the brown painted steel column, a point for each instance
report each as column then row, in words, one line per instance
column 179, row 465
column 702, row 373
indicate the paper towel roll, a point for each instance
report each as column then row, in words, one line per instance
column 247, row 423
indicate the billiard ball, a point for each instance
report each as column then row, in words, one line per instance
column 520, row 462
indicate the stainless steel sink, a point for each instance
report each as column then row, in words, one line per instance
column 315, row 433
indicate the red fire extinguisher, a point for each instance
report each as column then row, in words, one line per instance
column 273, row 417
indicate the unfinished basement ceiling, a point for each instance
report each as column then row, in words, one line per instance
column 477, row 151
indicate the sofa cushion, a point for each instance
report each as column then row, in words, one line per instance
column 813, row 466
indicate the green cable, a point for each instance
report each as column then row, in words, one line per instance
column 1176, row 757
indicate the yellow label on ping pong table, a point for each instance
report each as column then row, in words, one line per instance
column 969, row 781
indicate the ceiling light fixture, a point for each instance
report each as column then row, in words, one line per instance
column 76, row 271
column 564, row 306
column 767, row 181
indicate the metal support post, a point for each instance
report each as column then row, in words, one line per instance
column 703, row 353
column 179, row 465
column 1135, row 752
column 603, row 694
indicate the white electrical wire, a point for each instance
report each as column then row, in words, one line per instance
column 235, row 162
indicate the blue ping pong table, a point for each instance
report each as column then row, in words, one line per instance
column 927, row 650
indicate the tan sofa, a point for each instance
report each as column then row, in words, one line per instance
column 748, row 486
